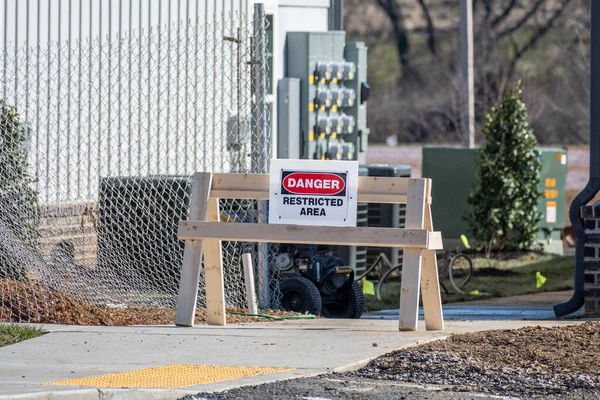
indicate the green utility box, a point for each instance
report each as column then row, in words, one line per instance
column 453, row 172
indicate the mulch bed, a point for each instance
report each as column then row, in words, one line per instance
column 23, row 302
column 532, row 362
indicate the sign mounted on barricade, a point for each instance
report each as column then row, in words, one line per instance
column 313, row 192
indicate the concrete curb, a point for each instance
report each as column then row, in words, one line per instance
column 359, row 364
column 103, row 394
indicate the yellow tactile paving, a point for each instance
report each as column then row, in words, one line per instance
column 170, row 376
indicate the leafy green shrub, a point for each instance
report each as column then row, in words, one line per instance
column 18, row 199
column 503, row 200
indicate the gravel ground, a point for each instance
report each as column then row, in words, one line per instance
column 532, row 362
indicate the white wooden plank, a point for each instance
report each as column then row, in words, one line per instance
column 430, row 288
column 430, row 284
column 412, row 258
column 249, row 280
column 213, row 272
column 256, row 186
column 192, row 255
column 435, row 240
column 263, row 233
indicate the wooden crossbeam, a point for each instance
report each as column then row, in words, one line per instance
column 256, row 187
column 341, row 236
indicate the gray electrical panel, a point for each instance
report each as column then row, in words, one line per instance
column 288, row 118
column 357, row 53
column 332, row 84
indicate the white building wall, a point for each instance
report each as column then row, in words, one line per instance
column 81, row 130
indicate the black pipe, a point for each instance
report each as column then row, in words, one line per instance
column 336, row 15
column 593, row 185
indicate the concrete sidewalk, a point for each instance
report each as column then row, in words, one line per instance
column 308, row 346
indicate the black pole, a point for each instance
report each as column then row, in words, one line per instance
column 593, row 185
column 336, row 15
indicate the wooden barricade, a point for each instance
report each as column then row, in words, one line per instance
column 203, row 234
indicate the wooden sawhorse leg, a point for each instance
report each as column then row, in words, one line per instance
column 418, row 216
column 202, row 208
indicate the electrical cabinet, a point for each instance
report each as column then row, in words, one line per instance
column 333, row 94
column 453, row 171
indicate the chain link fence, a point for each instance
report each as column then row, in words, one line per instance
column 98, row 140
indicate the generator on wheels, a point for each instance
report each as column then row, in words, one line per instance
column 314, row 280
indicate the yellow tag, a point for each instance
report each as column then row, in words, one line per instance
column 539, row 279
column 334, row 109
column 368, row 287
column 334, row 80
column 323, row 80
column 311, row 136
column 311, row 79
column 311, row 107
column 322, row 108
column 464, row 241
column 323, row 158
column 322, row 135
column 334, row 135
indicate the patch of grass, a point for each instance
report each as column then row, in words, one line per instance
column 13, row 333
column 490, row 281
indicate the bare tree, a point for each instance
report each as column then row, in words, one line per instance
column 431, row 42
column 393, row 10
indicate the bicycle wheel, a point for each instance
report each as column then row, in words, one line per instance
column 460, row 271
column 383, row 278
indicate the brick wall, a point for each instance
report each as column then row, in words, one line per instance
column 74, row 225
column 591, row 261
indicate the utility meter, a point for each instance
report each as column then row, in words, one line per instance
column 324, row 98
column 347, row 123
column 338, row 70
column 324, row 70
column 324, row 125
column 348, row 97
column 336, row 123
column 349, row 71
column 339, row 150
column 338, row 97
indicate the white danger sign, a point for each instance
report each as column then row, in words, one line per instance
column 311, row 192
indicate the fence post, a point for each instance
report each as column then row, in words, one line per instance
column 249, row 279
column 260, row 140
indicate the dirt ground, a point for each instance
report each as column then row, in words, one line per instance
column 532, row 362
column 31, row 303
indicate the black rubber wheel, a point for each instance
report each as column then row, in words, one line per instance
column 351, row 304
column 300, row 295
column 460, row 271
